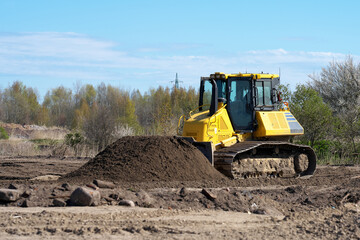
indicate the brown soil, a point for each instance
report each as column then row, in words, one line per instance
column 326, row 206
column 147, row 159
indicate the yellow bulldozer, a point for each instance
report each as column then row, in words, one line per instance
column 244, row 129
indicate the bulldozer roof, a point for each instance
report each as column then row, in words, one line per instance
column 252, row 75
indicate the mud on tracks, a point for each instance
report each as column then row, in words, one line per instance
column 147, row 158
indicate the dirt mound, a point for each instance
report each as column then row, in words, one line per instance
column 147, row 158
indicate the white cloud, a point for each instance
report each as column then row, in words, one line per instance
column 279, row 51
column 282, row 56
column 74, row 56
column 59, row 45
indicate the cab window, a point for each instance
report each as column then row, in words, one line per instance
column 267, row 93
column 207, row 95
column 260, row 93
column 221, row 86
column 263, row 93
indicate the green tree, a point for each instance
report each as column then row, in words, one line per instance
column 60, row 105
column 158, row 110
column 285, row 93
column 19, row 104
column 130, row 117
column 312, row 113
column 81, row 114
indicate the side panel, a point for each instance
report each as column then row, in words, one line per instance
column 203, row 128
column 277, row 123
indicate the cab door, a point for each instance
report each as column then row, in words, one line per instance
column 240, row 106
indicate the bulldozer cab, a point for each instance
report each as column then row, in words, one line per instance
column 243, row 95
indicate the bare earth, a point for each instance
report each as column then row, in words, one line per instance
column 325, row 206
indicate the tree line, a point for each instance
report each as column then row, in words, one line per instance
column 101, row 113
column 328, row 107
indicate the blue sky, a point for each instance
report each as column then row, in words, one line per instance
column 142, row 44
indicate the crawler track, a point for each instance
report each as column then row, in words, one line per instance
column 258, row 159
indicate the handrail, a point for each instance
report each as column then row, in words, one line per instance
column 183, row 117
column 209, row 122
column 197, row 108
column 178, row 127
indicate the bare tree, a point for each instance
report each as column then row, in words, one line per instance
column 98, row 128
column 339, row 85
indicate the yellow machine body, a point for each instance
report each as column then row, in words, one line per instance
column 277, row 123
column 243, row 129
column 218, row 129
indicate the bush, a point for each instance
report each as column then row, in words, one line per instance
column 3, row 134
column 73, row 140
column 335, row 152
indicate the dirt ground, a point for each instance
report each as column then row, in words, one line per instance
column 325, row 206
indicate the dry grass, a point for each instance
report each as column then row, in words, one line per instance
column 17, row 148
column 55, row 134
column 18, row 131
column 44, row 147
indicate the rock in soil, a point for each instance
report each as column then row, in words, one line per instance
column 104, row 184
column 208, row 194
column 26, row 194
column 144, row 199
column 183, row 192
column 9, row 195
column 127, row 203
column 93, row 186
column 13, row 186
column 66, row 186
column 58, row 203
column 27, row 203
column 83, row 196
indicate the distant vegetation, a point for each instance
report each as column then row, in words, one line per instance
column 328, row 107
column 100, row 114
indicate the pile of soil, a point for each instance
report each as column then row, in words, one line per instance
column 147, row 158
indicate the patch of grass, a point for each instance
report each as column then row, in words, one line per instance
column 45, row 141
column 43, row 145
column 334, row 159
column 331, row 152
column 3, row 134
